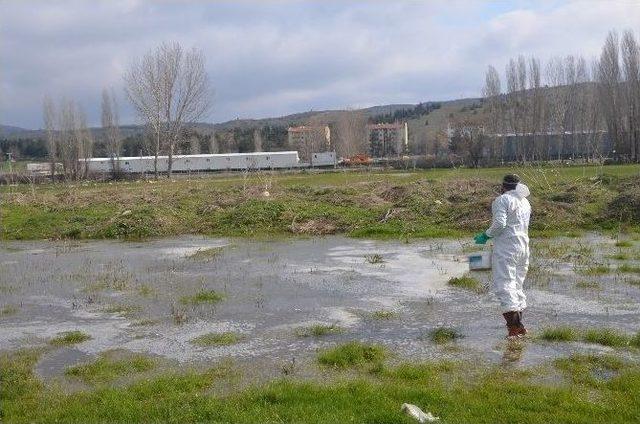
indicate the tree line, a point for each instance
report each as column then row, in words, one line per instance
column 562, row 109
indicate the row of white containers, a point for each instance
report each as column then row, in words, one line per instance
column 211, row 162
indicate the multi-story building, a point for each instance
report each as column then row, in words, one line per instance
column 308, row 139
column 388, row 140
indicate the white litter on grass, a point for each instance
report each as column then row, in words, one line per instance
column 418, row 414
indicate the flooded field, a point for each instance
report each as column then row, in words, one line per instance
column 271, row 304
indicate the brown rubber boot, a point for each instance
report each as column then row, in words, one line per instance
column 521, row 329
column 511, row 318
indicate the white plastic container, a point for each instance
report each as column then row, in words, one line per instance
column 480, row 261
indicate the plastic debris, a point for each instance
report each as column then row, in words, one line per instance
column 418, row 414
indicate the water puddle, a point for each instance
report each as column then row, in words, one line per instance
column 136, row 296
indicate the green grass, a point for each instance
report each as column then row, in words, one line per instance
column 144, row 322
column 466, row 282
column 606, row 337
column 206, row 254
column 217, row 339
column 204, row 296
column 375, row 258
column 629, row 269
column 145, row 290
column 426, row 203
column 619, row 256
column 352, row 354
column 590, row 370
column 588, row 285
column 384, row 314
column 598, row 389
column 624, row 243
column 595, row 270
column 8, row 310
column 124, row 310
column 602, row 336
column 559, row 334
column 106, row 368
column 69, row 338
column 443, row 335
column 318, row 330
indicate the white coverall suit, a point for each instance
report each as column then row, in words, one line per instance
column 510, row 258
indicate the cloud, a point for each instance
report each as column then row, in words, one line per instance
column 274, row 57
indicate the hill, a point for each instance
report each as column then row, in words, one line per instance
column 329, row 116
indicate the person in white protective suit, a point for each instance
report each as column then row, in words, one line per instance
column 510, row 259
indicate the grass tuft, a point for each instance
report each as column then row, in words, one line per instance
column 606, row 337
column 206, row 254
column 624, row 243
column 375, row 258
column 629, row 269
column 204, row 296
column 124, row 310
column 69, row 338
column 383, row 315
column 217, row 339
column 595, row 270
column 466, row 282
column 352, row 354
column 443, row 335
column 559, row 334
column 586, row 284
column 318, row 330
column 106, row 369
column 8, row 310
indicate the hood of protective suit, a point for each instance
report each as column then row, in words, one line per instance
column 521, row 191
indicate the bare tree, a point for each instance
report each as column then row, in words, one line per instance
column 169, row 89
column 84, row 143
column 111, row 128
column 609, row 86
column 592, row 112
column 535, row 108
column 630, row 53
column 469, row 141
column 50, row 119
column 492, row 94
column 351, row 137
column 257, row 140
column 556, row 103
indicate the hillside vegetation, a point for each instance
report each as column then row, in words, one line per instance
column 433, row 203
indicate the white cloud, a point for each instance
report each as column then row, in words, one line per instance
column 278, row 57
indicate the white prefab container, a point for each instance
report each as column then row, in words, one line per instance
column 324, row 159
column 195, row 163
column 480, row 261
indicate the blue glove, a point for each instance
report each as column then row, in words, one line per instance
column 481, row 238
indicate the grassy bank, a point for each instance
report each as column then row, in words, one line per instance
column 577, row 389
column 431, row 203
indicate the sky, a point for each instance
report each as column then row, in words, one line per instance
column 271, row 58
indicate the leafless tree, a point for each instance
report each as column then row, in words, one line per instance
column 84, row 143
column 495, row 109
column 630, row 53
column 50, row 120
column 257, row 140
column 535, row 108
column 111, row 128
column 169, row 89
column 469, row 141
column 609, row 89
column 556, row 103
column 351, row 133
